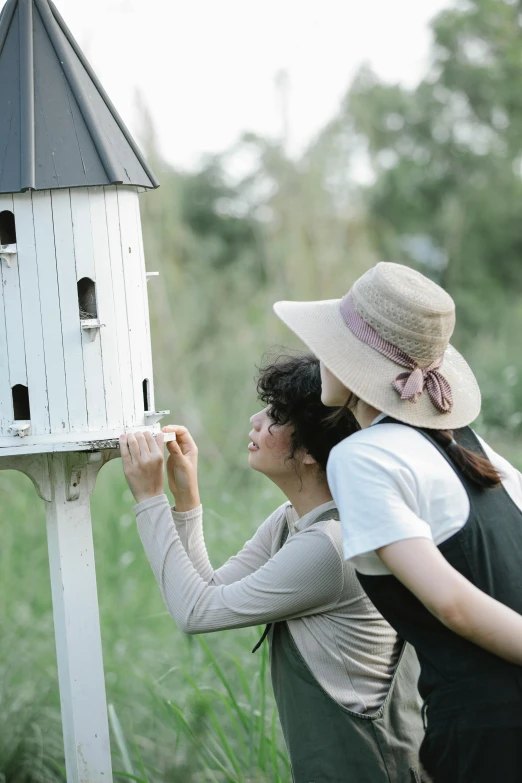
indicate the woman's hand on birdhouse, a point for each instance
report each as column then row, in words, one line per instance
column 182, row 468
column 143, row 465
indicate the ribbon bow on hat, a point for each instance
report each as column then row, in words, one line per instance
column 410, row 385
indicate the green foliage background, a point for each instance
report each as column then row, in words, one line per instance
column 445, row 197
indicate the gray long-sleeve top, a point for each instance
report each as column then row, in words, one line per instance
column 349, row 647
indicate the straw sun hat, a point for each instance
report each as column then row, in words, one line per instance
column 387, row 341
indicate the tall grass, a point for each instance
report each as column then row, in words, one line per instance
column 218, row 732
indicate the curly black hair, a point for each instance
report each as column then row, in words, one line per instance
column 290, row 385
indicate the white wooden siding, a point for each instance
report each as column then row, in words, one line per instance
column 148, row 347
column 132, row 271
column 108, row 334
column 68, row 294
column 76, row 386
column 14, row 323
column 92, row 351
column 31, row 313
column 9, row 276
column 50, row 310
column 122, row 333
column 6, row 400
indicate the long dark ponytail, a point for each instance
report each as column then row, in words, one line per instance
column 478, row 469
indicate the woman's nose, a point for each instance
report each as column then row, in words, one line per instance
column 254, row 420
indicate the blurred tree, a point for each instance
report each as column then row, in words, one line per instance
column 445, row 163
column 447, row 158
column 212, row 209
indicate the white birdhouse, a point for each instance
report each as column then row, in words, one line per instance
column 75, row 355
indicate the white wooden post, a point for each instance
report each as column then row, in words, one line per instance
column 76, row 617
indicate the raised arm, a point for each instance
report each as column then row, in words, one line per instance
column 457, row 603
column 304, row 577
column 254, row 554
column 187, row 515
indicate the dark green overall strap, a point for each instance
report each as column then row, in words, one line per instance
column 330, row 514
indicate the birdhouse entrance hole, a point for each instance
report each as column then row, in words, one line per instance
column 21, row 409
column 146, row 395
column 7, row 228
column 87, row 299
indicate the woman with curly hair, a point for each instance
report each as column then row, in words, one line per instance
column 344, row 683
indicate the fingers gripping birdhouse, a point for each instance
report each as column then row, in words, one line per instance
column 75, row 355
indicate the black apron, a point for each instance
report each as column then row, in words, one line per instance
column 328, row 743
column 473, row 698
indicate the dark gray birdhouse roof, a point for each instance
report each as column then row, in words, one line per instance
column 58, row 128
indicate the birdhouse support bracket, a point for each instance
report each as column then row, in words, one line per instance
column 84, row 466
column 79, row 467
column 36, row 467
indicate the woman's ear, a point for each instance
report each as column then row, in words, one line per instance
column 308, row 459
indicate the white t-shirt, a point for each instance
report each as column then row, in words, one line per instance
column 390, row 483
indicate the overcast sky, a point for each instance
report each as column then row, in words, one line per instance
column 206, row 68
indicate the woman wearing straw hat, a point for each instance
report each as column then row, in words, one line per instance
column 345, row 685
column 431, row 515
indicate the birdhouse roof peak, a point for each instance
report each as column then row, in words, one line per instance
column 58, row 127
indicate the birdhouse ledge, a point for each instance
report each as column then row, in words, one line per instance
column 20, row 428
column 7, row 252
column 92, row 327
column 152, row 417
